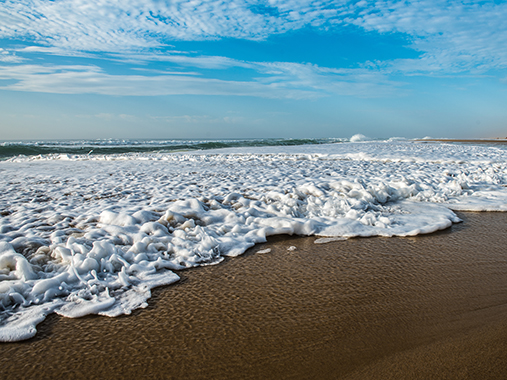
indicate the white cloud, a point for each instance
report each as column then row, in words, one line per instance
column 355, row 82
column 119, row 25
column 130, row 25
column 59, row 51
column 90, row 79
column 279, row 80
column 205, row 62
column 8, row 57
column 452, row 37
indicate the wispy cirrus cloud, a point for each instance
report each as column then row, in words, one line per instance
column 355, row 82
column 92, row 80
column 280, row 80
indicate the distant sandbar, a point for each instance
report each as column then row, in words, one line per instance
column 469, row 141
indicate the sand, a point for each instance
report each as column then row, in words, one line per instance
column 427, row 307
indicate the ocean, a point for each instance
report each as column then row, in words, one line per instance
column 10, row 149
column 90, row 227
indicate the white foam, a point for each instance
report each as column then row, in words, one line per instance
column 358, row 137
column 93, row 234
column 328, row 240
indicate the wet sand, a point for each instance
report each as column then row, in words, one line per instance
column 427, row 307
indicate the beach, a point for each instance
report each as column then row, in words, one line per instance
column 359, row 259
column 251, row 190
column 495, row 141
column 423, row 307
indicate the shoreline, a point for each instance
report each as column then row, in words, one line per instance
column 467, row 141
column 379, row 308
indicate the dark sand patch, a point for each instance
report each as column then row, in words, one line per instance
column 425, row 307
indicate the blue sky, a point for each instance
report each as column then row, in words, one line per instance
column 238, row 69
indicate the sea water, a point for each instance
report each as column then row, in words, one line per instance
column 94, row 233
column 117, row 146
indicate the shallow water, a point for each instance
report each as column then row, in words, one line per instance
column 322, row 311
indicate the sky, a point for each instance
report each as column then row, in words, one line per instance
column 80, row 69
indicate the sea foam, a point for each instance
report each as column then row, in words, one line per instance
column 84, row 234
